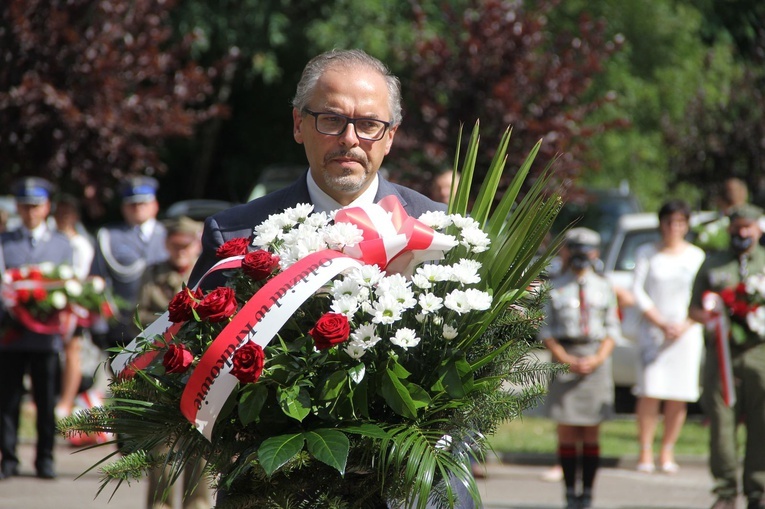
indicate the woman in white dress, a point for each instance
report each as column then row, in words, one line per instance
column 670, row 343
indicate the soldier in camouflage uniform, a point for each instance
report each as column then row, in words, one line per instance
column 720, row 271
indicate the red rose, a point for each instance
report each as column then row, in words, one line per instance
column 259, row 264
column 35, row 274
column 177, row 359
column 233, row 247
column 218, row 305
column 23, row 295
column 248, row 363
column 182, row 305
column 330, row 330
column 39, row 294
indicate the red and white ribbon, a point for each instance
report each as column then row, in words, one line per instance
column 393, row 240
column 720, row 326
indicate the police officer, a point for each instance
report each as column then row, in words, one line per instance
column 580, row 327
column 722, row 270
column 124, row 250
column 21, row 349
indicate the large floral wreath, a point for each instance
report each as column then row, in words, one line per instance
column 339, row 367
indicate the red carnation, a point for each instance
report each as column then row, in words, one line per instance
column 259, row 264
column 248, row 363
column 182, row 305
column 218, row 305
column 330, row 330
column 177, row 359
column 233, row 247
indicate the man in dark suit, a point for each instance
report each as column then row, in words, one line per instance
column 124, row 250
column 345, row 113
column 22, row 349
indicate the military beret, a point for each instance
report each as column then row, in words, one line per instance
column 138, row 189
column 583, row 237
column 183, row 225
column 745, row 211
column 32, row 190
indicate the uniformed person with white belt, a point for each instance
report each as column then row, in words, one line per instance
column 124, row 250
column 23, row 350
column 580, row 326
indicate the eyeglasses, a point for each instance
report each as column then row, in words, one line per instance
column 334, row 124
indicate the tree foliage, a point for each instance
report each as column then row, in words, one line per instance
column 499, row 62
column 89, row 90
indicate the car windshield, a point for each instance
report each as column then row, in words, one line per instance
column 632, row 241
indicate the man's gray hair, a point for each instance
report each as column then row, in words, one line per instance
column 318, row 65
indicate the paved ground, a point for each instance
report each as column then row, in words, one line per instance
column 507, row 486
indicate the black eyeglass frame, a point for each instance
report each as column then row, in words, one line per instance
column 348, row 121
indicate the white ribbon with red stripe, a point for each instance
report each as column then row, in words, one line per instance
column 720, row 326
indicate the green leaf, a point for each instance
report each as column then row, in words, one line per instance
column 367, row 430
column 274, row 452
column 251, row 402
column 334, row 385
column 396, row 395
column 357, row 372
column 294, row 402
column 329, row 446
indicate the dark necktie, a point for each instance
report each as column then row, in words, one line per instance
column 743, row 267
column 584, row 313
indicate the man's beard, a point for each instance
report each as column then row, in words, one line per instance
column 348, row 182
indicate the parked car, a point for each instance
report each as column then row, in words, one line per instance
column 8, row 204
column 275, row 177
column 599, row 210
column 632, row 231
column 197, row 210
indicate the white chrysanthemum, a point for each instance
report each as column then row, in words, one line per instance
column 420, row 317
column 73, row 288
column 434, row 272
column 299, row 212
column 58, row 300
column 479, row 301
column 366, row 334
column 346, row 286
column 98, row 284
column 430, row 303
column 449, row 332
column 756, row 321
column 437, row 319
column 405, row 338
column 65, row 272
column 317, row 221
column 355, row 349
column 755, row 286
column 475, row 239
column 463, row 222
column 340, row 235
column 47, row 268
column 421, row 282
column 367, row 275
column 397, row 287
column 345, row 305
column 386, row 310
column 265, row 234
column 283, row 221
column 457, row 301
column 465, row 272
column 24, row 272
column 436, row 220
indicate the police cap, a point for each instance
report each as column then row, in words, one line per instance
column 138, row 189
column 745, row 211
column 32, row 190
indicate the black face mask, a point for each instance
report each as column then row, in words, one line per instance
column 579, row 261
column 739, row 243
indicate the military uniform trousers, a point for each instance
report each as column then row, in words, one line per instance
column 749, row 376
